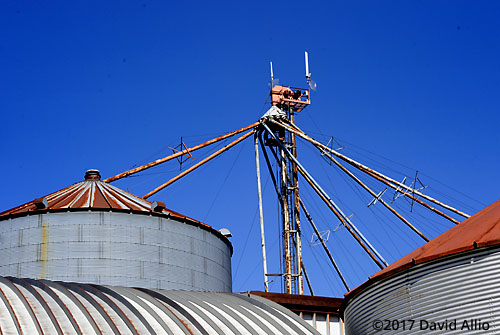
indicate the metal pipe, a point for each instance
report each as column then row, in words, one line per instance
column 349, row 229
column 268, row 163
column 307, row 279
column 345, row 220
column 286, row 224
column 333, row 210
column 426, row 205
column 177, row 154
column 309, row 218
column 296, row 209
column 386, row 180
column 197, row 165
column 261, row 214
column 392, row 210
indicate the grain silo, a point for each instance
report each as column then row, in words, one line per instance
column 449, row 285
column 93, row 232
column 94, row 259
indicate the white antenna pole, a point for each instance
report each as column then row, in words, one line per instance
column 262, row 236
column 272, row 77
column 308, row 75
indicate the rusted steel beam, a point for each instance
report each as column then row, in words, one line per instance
column 308, row 216
column 296, row 207
column 358, row 236
column 177, row 154
column 369, row 190
column 386, row 180
column 200, row 163
column 286, row 224
column 344, row 223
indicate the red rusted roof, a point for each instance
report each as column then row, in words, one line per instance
column 480, row 230
column 303, row 303
column 91, row 193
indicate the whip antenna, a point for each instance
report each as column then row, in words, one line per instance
column 273, row 81
column 311, row 83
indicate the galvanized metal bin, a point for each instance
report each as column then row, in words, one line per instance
column 115, row 248
column 453, row 294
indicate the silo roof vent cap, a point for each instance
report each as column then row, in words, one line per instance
column 92, row 174
column 41, row 203
column 225, row 232
column 158, row 206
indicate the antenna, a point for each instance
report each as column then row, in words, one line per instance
column 311, row 83
column 308, row 74
column 273, row 81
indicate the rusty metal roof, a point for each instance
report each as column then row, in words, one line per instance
column 92, row 193
column 480, row 230
column 303, row 303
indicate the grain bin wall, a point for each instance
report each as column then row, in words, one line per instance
column 115, row 248
column 460, row 289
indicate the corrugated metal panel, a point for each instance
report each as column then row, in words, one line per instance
column 70, row 308
column 114, row 248
column 480, row 230
column 461, row 288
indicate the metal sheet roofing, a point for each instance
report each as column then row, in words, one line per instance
column 480, row 230
column 30, row 306
column 92, row 193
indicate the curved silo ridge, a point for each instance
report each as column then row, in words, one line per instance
column 54, row 307
column 479, row 231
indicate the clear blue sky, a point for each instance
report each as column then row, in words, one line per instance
column 106, row 85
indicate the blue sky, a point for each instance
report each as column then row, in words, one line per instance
column 112, row 85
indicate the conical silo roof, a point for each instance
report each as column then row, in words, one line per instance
column 91, row 193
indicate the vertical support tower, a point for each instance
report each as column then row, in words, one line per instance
column 289, row 100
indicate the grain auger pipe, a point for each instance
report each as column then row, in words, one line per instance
column 379, row 199
column 332, row 205
column 320, row 238
column 200, row 163
column 379, row 176
column 178, row 154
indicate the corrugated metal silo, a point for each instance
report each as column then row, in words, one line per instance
column 449, row 285
column 93, row 232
